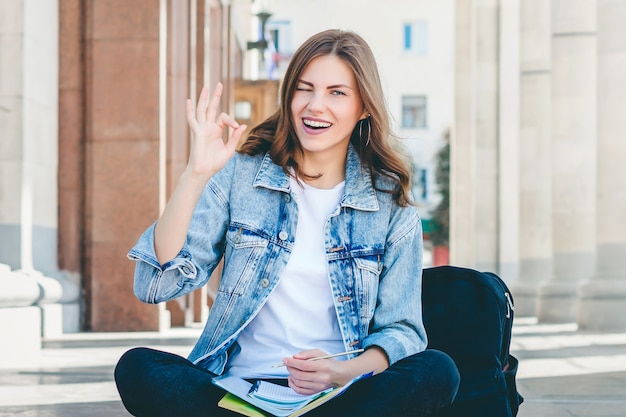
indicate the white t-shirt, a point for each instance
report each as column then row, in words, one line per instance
column 300, row 313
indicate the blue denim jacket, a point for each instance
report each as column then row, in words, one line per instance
column 248, row 215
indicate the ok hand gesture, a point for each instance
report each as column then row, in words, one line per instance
column 209, row 152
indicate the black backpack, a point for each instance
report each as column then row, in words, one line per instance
column 469, row 315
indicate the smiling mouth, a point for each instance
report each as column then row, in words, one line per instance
column 315, row 124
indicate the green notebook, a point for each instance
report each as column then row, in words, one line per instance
column 236, row 404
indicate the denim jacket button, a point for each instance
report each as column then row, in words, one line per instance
column 283, row 235
column 265, row 282
column 287, row 198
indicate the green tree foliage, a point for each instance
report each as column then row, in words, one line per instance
column 441, row 214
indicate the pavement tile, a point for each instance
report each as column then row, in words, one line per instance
column 96, row 409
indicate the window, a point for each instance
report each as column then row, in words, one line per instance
column 281, row 47
column 420, row 184
column 416, row 37
column 243, row 110
column 414, row 112
column 275, row 33
column 280, row 33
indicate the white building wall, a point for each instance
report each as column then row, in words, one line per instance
column 402, row 73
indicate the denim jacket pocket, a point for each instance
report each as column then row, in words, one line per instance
column 245, row 251
column 367, row 281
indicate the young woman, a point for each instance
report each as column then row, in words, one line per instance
column 322, row 252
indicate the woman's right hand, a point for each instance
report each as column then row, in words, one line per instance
column 209, row 152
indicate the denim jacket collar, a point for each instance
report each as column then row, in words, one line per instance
column 359, row 192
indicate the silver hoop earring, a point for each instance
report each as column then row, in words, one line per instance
column 369, row 132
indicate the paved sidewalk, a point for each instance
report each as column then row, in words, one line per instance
column 563, row 372
column 75, row 374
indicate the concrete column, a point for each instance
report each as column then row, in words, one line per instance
column 486, row 217
column 508, row 141
column 535, row 198
column 573, row 157
column 474, row 205
column 71, row 156
column 28, row 180
column 602, row 299
column 28, row 135
column 462, row 239
column 122, row 148
column 28, row 221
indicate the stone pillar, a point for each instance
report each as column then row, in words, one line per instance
column 183, row 74
column 474, row 142
column 462, row 242
column 122, row 148
column 28, row 199
column 486, row 210
column 602, row 299
column 535, row 242
column 71, row 155
column 29, row 226
column 508, row 141
column 20, row 321
column 573, row 157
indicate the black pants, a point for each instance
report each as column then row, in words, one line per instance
column 156, row 383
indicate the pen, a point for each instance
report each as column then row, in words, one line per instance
column 255, row 387
column 317, row 358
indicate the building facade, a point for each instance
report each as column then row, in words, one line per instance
column 92, row 137
column 537, row 188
